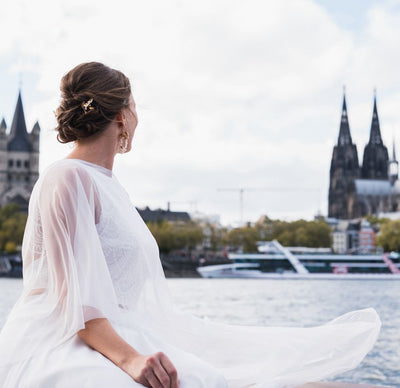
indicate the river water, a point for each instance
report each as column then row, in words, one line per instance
column 287, row 303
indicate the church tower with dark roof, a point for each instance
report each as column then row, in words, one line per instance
column 376, row 158
column 344, row 169
column 372, row 188
column 19, row 159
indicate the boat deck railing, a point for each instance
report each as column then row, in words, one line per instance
column 297, row 265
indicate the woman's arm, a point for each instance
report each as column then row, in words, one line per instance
column 154, row 371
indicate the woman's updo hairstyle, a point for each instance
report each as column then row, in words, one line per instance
column 92, row 94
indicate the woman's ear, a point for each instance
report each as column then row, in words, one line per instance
column 120, row 119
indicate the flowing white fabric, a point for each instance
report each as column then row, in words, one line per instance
column 88, row 254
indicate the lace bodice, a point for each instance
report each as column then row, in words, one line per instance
column 124, row 237
column 126, row 242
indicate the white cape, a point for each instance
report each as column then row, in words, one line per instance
column 87, row 254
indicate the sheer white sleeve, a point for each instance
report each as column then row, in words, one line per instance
column 69, row 208
column 66, row 279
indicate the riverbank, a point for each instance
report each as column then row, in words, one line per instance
column 183, row 265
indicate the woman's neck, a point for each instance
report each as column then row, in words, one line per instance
column 96, row 152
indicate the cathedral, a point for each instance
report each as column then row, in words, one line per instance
column 19, row 159
column 371, row 188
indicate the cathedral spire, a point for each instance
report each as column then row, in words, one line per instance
column 344, row 132
column 19, row 140
column 344, row 170
column 375, row 134
column 3, row 124
column 376, row 158
column 394, row 150
column 393, row 166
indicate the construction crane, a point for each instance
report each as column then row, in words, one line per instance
column 278, row 189
column 241, row 192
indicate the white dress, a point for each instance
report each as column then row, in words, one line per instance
column 88, row 254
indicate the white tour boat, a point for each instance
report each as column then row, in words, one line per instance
column 277, row 262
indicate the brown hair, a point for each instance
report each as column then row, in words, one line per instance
column 92, row 94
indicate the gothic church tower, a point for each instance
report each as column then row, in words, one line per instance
column 344, row 170
column 19, row 159
column 376, row 159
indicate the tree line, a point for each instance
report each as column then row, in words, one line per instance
column 210, row 237
column 12, row 226
column 189, row 235
column 389, row 233
column 313, row 234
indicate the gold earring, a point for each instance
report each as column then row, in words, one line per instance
column 123, row 142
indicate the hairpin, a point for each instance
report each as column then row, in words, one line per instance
column 87, row 106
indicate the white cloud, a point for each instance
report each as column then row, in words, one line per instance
column 229, row 93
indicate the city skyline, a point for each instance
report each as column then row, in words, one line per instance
column 229, row 95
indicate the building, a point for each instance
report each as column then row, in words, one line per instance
column 159, row 215
column 345, row 236
column 357, row 190
column 19, row 159
column 353, row 236
column 366, row 238
column 339, row 238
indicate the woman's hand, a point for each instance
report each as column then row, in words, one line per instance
column 154, row 371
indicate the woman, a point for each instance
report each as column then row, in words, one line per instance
column 95, row 309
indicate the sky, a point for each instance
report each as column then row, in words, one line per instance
column 230, row 94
